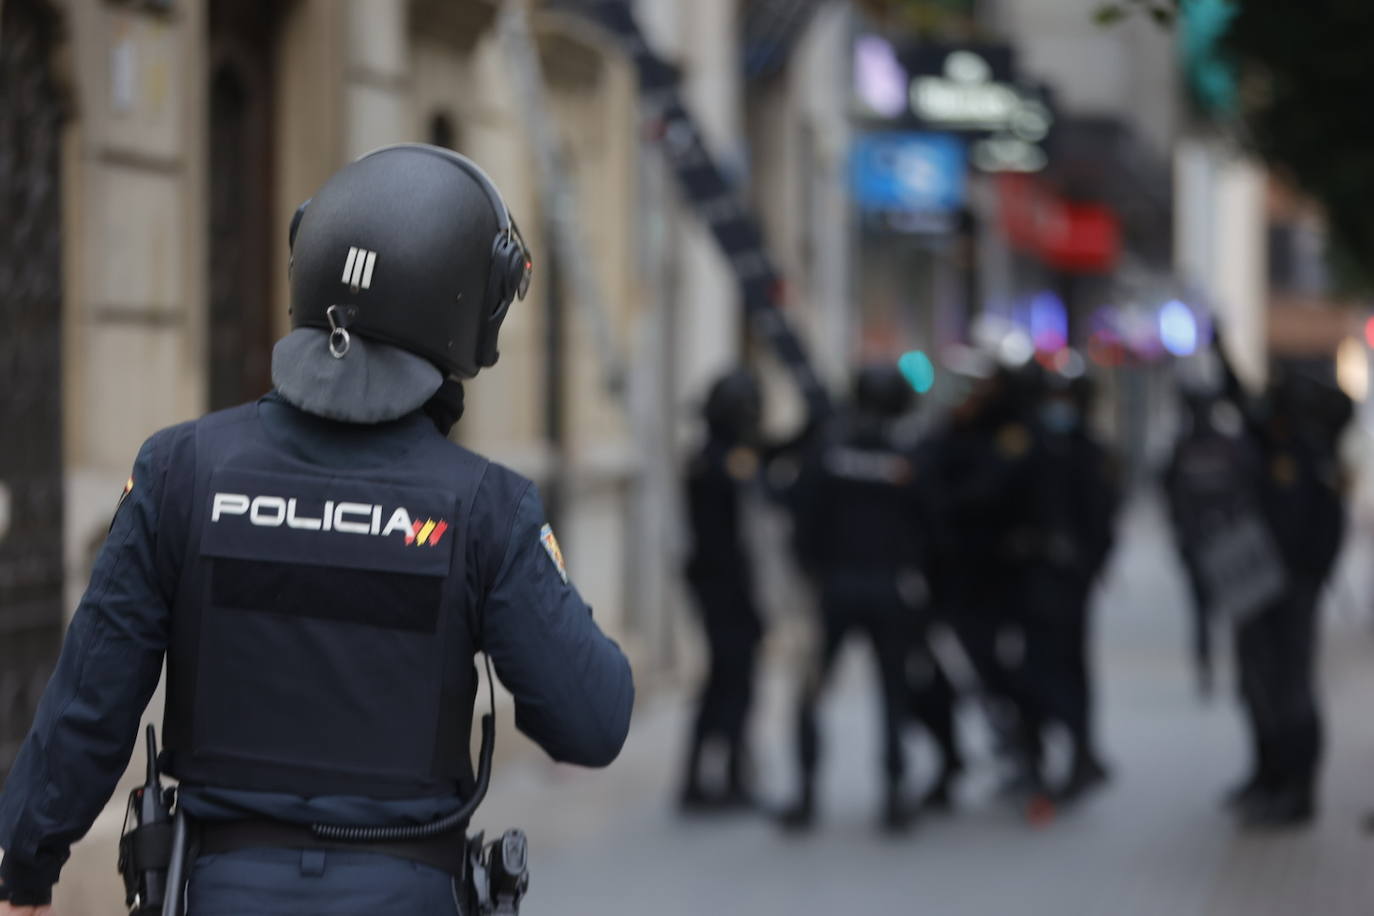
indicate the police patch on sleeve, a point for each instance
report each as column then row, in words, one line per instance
column 123, row 498
column 553, row 550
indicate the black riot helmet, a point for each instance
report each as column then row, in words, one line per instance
column 880, row 390
column 734, row 407
column 410, row 246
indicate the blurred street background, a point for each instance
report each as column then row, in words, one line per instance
column 1154, row 843
column 1161, row 206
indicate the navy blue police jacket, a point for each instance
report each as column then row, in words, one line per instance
column 858, row 513
column 318, row 590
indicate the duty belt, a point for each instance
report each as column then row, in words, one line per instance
column 447, row 851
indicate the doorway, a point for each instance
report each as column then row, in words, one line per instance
column 31, row 492
column 242, row 90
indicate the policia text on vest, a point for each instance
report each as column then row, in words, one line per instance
column 344, row 517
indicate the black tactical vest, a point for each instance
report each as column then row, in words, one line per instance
column 322, row 640
column 866, row 478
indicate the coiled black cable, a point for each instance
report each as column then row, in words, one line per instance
column 454, row 821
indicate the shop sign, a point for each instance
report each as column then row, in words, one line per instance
column 1071, row 236
column 969, row 90
column 907, row 172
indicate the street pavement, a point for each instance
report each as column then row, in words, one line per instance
column 1154, row 842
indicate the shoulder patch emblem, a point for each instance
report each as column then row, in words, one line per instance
column 553, row 550
column 742, row 463
column 123, row 496
column 1013, row 441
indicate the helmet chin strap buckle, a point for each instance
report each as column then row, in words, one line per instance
column 339, row 341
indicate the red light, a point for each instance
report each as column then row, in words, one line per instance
column 1369, row 332
column 1106, row 352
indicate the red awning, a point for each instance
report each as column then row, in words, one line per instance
column 1067, row 235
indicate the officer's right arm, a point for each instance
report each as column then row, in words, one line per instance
column 572, row 685
column 87, row 721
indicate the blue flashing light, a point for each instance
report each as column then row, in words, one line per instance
column 1178, row 330
column 918, row 370
column 1049, row 322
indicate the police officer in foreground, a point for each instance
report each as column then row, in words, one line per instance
column 859, row 531
column 319, row 568
column 721, row 575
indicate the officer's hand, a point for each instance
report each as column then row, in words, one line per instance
column 9, row 910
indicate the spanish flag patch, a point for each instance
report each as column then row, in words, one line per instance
column 128, row 488
column 554, row 551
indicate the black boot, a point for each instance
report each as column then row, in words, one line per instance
column 1265, row 776
column 940, row 796
column 1088, row 773
column 738, row 794
column 693, row 797
column 695, row 800
column 1244, row 794
column 898, row 814
column 1285, row 809
column 801, row 816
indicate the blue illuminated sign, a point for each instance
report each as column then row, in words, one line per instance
column 907, row 172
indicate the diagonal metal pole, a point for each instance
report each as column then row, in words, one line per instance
column 652, row 493
column 558, row 194
column 711, row 195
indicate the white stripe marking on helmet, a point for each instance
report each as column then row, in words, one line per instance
column 358, row 268
column 367, row 270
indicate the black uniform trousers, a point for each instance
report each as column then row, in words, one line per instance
column 981, row 614
column 1276, row 660
column 733, row 632
column 1057, row 679
column 868, row 604
column 1049, row 681
column 932, row 698
column 1201, row 619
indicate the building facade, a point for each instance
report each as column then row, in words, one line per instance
column 160, row 148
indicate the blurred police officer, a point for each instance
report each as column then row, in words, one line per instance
column 859, row 531
column 1201, row 484
column 720, row 573
column 318, row 568
column 983, row 497
column 1297, row 431
column 932, row 701
column 1075, row 502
